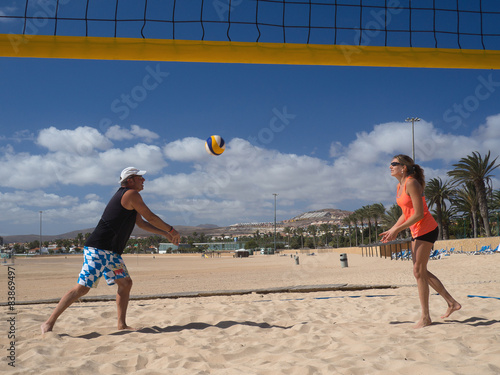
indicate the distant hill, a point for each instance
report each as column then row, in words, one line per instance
column 23, row 238
column 184, row 230
column 325, row 215
column 207, row 226
column 330, row 215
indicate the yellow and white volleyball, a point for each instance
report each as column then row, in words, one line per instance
column 215, row 145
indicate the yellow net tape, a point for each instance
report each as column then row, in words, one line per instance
column 100, row 48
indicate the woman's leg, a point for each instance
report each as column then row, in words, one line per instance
column 421, row 251
column 453, row 305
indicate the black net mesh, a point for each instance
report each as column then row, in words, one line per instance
column 460, row 24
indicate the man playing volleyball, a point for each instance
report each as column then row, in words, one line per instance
column 103, row 249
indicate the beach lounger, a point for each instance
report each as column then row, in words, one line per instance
column 484, row 250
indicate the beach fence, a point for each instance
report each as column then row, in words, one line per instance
column 397, row 250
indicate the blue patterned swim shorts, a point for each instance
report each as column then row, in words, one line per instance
column 96, row 263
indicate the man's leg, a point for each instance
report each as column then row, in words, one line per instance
column 122, row 298
column 71, row 296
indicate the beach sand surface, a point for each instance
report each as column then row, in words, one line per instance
column 366, row 329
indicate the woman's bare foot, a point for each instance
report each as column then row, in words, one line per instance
column 46, row 327
column 451, row 309
column 424, row 322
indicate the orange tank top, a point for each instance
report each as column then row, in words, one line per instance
column 426, row 224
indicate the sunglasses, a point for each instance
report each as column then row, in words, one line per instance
column 395, row 163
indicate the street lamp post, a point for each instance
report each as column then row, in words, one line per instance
column 275, row 195
column 413, row 120
column 40, row 232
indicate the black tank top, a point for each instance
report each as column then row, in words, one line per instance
column 114, row 228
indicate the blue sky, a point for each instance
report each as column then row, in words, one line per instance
column 320, row 137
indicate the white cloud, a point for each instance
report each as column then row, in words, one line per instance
column 141, row 156
column 22, row 135
column 489, row 134
column 237, row 186
column 81, row 216
column 146, row 134
column 36, row 198
column 246, row 176
column 63, row 164
column 81, row 141
column 186, row 149
column 431, row 143
column 118, row 133
column 92, row 197
column 250, row 175
column 22, row 209
column 336, row 149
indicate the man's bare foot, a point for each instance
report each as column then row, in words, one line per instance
column 424, row 322
column 451, row 309
column 126, row 327
column 45, row 327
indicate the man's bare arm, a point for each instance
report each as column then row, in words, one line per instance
column 172, row 236
column 148, row 220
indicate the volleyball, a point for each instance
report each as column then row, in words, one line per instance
column 215, row 145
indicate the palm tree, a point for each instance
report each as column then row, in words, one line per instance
column 354, row 219
column 288, row 231
column 325, row 228
column 378, row 210
column 447, row 216
column 437, row 193
column 495, row 197
column 312, row 229
column 465, row 201
column 477, row 170
column 335, row 228
column 347, row 221
column 300, row 232
column 391, row 216
column 368, row 211
column 495, row 204
column 79, row 239
column 360, row 213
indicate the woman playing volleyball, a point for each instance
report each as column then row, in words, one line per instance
column 424, row 231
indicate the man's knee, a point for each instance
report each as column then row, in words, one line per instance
column 125, row 283
column 81, row 290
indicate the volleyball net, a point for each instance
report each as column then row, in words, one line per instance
column 423, row 33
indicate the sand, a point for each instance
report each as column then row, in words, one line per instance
column 366, row 328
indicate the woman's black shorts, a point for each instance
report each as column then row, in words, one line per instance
column 431, row 237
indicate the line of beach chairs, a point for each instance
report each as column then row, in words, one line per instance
column 485, row 250
column 441, row 253
column 435, row 254
column 402, row 255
